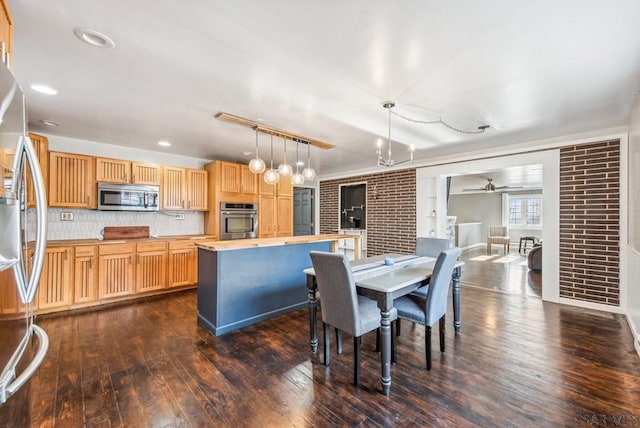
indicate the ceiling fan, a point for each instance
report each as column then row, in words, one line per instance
column 490, row 187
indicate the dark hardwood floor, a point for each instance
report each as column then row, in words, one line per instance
column 517, row 362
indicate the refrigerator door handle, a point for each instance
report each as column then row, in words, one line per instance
column 43, row 341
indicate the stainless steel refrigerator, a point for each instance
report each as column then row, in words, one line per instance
column 23, row 345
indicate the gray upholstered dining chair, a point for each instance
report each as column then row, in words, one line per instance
column 427, row 310
column 431, row 247
column 342, row 307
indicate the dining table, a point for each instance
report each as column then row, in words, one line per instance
column 385, row 278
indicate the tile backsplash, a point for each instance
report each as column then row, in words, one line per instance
column 88, row 224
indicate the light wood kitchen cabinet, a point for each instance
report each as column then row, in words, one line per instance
column 237, row 178
column 275, row 208
column 197, row 189
column 174, row 188
column 116, row 268
column 183, row 263
column 55, row 289
column 151, row 266
column 9, row 300
column 126, row 172
column 6, row 34
column 72, row 180
column 41, row 146
column 85, row 278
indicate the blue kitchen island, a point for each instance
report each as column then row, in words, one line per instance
column 245, row 281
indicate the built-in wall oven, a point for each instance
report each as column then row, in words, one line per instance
column 238, row 220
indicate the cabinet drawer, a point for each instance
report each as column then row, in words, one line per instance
column 106, row 249
column 180, row 245
column 151, row 246
column 86, row 251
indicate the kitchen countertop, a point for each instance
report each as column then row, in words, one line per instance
column 76, row 242
column 266, row 242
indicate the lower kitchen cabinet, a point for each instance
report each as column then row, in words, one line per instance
column 9, row 300
column 151, row 266
column 183, row 263
column 55, row 289
column 116, row 266
column 85, row 278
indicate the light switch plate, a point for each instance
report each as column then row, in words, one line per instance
column 66, row 216
column 179, row 216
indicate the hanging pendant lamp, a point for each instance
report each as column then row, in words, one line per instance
column 297, row 179
column 271, row 176
column 285, row 169
column 257, row 165
column 309, row 173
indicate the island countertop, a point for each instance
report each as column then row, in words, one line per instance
column 268, row 242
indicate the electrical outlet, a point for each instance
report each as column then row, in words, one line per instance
column 66, row 216
column 179, row 216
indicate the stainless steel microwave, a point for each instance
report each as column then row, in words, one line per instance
column 124, row 197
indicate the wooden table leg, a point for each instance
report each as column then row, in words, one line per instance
column 313, row 305
column 456, row 298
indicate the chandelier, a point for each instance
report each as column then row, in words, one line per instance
column 389, row 162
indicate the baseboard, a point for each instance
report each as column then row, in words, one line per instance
column 634, row 324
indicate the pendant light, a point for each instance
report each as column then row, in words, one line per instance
column 257, row 165
column 271, row 176
column 309, row 173
column 285, row 169
column 297, row 179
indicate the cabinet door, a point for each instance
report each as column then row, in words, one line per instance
column 6, row 167
column 71, row 180
column 229, row 177
column 145, row 173
column 182, row 267
column 6, row 33
column 113, row 170
column 197, row 189
column 151, row 268
column 267, row 216
column 9, row 300
column 285, row 187
column 41, row 145
column 55, row 288
column 248, row 180
column 285, row 216
column 116, row 275
column 85, row 274
column 174, row 188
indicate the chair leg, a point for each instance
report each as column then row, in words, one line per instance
column 378, row 339
column 427, row 346
column 442, row 328
column 339, row 341
column 393, row 341
column 356, row 361
column 488, row 249
column 398, row 327
column 327, row 339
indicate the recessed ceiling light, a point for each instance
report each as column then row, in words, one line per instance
column 300, row 163
column 164, row 143
column 49, row 123
column 93, row 38
column 44, row 89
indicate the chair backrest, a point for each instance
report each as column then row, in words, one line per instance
column 337, row 290
column 431, row 247
column 436, row 304
column 498, row 231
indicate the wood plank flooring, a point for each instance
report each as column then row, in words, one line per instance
column 517, row 362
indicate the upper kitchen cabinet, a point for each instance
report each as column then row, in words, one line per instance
column 72, row 180
column 125, row 172
column 41, row 146
column 184, row 189
column 197, row 189
column 6, row 33
column 236, row 178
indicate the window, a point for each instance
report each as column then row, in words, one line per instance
column 525, row 211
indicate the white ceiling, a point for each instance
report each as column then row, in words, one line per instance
column 530, row 70
column 510, row 179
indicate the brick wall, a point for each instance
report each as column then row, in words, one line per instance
column 590, row 222
column 391, row 218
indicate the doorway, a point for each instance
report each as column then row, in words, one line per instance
column 303, row 209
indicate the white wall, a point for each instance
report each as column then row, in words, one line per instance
column 483, row 207
column 633, row 247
